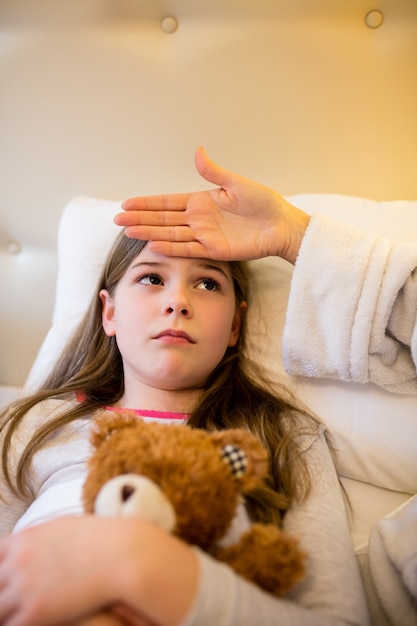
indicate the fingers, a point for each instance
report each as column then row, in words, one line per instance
column 212, row 172
column 160, row 233
column 10, row 613
column 155, row 218
column 164, row 202
column 104, row 618
column 170, row 203
column 127, row 617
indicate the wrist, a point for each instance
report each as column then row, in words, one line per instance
column 292, row 226
column 159, row 565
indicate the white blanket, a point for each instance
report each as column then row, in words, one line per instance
column 389, row 568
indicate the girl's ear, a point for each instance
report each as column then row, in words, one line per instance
column 107, row 314
column 236, row 325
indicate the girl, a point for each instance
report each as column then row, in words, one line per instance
column 164, row 336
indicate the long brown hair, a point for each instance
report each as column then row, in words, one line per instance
column 237, row 394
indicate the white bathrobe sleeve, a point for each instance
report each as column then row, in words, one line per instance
column 352, row 309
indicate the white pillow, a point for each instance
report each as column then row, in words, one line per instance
column 85, row 235
column 375, row 431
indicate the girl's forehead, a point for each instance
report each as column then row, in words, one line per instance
column 148, row 257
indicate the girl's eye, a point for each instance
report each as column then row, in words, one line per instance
column 209, row 284
column 150, row 279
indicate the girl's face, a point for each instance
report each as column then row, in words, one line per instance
column 173, row 319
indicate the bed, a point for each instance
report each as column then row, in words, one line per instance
column 104, row 100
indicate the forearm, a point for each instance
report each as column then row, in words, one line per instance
column 227, row 600
column 158, row 576
column 331, row 593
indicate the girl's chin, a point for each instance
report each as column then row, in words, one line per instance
column 172, row 379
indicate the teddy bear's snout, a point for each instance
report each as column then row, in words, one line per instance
column 131, row 495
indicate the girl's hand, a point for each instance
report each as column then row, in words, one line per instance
column 50, row 573
column 239, row 220
column 113, row 617
column 118, row 616
column 74, row 568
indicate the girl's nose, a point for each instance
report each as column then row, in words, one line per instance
column 178, row 304
column 184, row 311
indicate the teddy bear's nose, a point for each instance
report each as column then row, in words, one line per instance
column 134, row 495
column 127, row 491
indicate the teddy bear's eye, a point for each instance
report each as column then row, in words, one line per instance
column 235, row 458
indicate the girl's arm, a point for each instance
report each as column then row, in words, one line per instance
column 75, row 567
column 55, row 475
column 331, row 593
column 11, row 508
column 117, row 616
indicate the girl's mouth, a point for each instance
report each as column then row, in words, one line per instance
column 174, row 336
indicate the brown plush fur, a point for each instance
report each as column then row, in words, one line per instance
column 186, row 465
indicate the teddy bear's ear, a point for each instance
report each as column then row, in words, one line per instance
column 245, row 455
column 107, row 422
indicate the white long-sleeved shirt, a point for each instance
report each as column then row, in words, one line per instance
column 331, row 593
column 352, row 310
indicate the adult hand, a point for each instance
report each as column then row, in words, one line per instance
column 239, row 220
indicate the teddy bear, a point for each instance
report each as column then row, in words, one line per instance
column 192, row 483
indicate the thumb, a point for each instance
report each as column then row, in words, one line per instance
column 212, row 172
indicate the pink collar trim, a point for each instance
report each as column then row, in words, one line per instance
column 165, row 415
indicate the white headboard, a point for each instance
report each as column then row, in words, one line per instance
column 109, row 98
